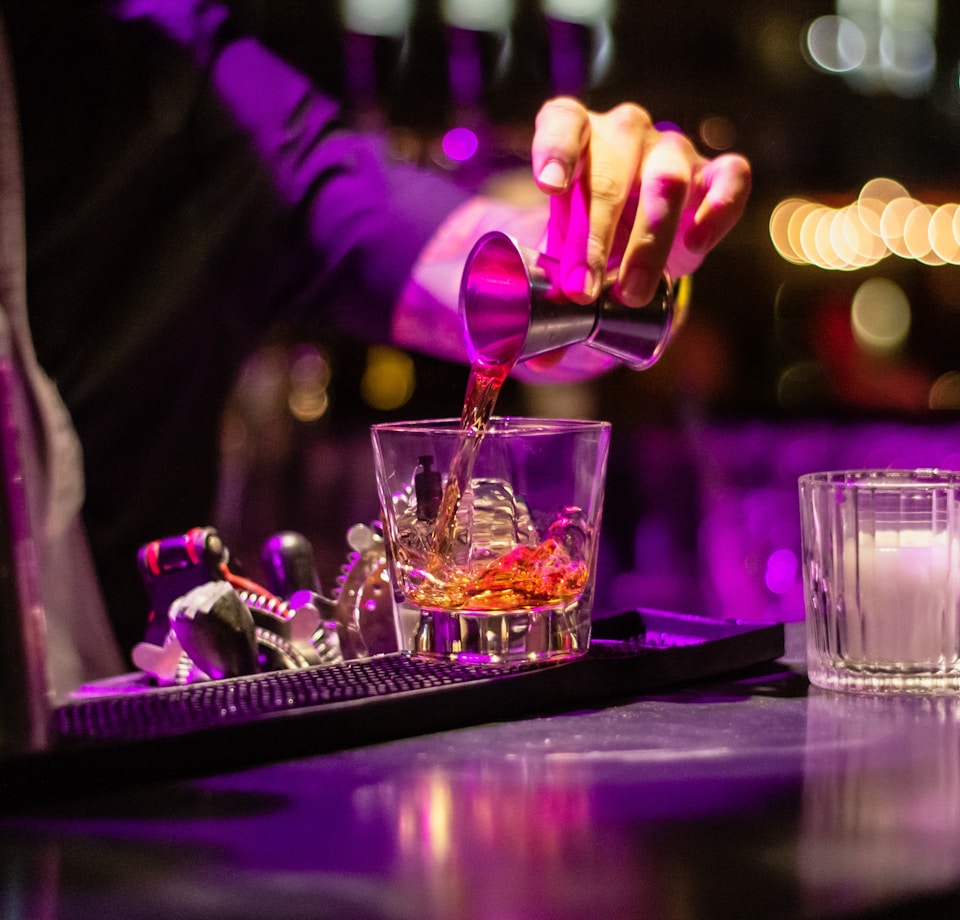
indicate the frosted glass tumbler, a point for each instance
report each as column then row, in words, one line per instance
column 881, row 577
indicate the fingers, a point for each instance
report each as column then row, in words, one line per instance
column 665, row 186
column 600, row 197
column 717, row 201
column 602, row 167
column 623, row 192
column 727, row 180
column 562, row 135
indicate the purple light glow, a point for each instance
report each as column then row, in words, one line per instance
column 781, row 574
column 460, row 144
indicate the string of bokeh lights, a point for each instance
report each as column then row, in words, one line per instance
column 883, row 220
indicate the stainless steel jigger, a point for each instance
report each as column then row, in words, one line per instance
column 512, row 309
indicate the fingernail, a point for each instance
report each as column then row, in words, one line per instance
column 553, row 175
column 583, row 279
column 634, row 287
column 698, row 238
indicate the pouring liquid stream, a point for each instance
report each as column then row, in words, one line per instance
column 483, row 388
column 526, row 577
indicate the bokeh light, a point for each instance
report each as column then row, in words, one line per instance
column 478, row 15
column 877, row 46
column 377, row 17
column 308, row 397
column 943, row 237
column 916, row 234
column 460, row 144
column 945, row 392
column 781, row 572
column 836, row 44
column 718, row 132
column 908, row 59
column 583, row 11
column 874, row 196
column 388, row 378
column 880, row 316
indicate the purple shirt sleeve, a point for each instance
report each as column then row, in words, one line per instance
column 364, row 216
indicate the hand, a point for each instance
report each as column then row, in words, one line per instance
column 622, row 191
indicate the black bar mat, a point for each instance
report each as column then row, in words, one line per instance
column 152, row 733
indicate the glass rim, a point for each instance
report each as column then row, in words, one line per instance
column 918, row 478
column 498, row 425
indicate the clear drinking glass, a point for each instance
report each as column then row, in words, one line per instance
column 492, row 541
column 881, row 571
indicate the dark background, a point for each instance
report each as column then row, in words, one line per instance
column 767, row 356
column 806, row 132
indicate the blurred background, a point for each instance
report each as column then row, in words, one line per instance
column 823, row 333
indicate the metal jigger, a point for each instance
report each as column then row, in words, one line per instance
column 512, row 309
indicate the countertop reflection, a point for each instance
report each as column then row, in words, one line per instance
column 755, row 795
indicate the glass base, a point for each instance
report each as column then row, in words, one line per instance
column 541, row 634
column 879, row 679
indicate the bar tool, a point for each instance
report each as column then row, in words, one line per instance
column 288, row 564
column 512, row 309
column 216, row 630
column 202, row 611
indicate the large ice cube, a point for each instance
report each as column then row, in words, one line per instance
column 495, row 519
column 491, row 520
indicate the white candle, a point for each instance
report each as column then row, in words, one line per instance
column 901, row 597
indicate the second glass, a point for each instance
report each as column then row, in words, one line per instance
column 881, row 569
column 492, row 542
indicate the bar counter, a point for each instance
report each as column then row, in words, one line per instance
column 753, row 795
